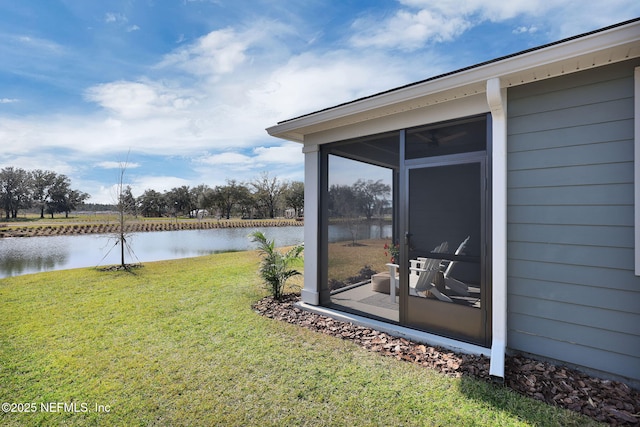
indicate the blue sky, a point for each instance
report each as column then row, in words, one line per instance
column 182, row 90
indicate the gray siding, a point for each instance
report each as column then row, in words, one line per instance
column 572, row 292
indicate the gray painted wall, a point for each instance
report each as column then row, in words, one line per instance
column 572, row 292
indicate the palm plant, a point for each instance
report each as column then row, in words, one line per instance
column 275, row 266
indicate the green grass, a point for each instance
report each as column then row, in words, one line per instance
column 176, row 343
column 346, row 260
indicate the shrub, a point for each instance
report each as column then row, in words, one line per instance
column 275, row 266
column 363, row 275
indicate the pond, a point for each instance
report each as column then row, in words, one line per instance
column 25, row 255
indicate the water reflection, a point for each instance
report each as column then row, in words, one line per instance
column 36, row 254
column 25, row 257
column 359, row 231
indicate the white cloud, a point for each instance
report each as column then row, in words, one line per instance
column 216, row 94
column 408, row 30
column 117, row 165
column 210, row 109
column 173, row 115
column 287, row 153
column 138, row 99
column 574, row 17
column 257, row 158
column 525, row 30
column 218, row 52
column 110, row 17
column 36, row 45
column 419, row 23
column 7, row 100
column 169, row 118
column 284, row 161
column 493, row 10
column 43, row 161
column 120, row 20
column 227, row 159
column 313, row 81
column 222, row 52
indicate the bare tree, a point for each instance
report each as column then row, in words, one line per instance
column 125, row 204
column 122, row 210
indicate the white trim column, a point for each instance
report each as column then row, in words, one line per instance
column 311, row 293
column 497, row 100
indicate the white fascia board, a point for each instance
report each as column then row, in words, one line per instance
column 616, row 44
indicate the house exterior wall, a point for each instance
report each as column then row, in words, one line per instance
column 572, row 292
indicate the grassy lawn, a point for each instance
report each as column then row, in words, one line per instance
column 176, row 343
column 346, row 260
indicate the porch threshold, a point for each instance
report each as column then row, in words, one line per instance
column 397, row 330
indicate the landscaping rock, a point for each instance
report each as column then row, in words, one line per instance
column 607, row 401
column 138, row 227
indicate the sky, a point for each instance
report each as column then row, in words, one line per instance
column 181, row 91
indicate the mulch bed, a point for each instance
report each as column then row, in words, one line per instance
column 607, row 401
column 126, row 267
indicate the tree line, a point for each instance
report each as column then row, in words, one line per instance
column 51, row 193
column 363, row 199
column 46, row 191
column 264, row 197
column 367, row 199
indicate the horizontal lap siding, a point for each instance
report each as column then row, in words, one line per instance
column 572, row 292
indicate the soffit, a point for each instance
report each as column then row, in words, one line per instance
column 595, row 50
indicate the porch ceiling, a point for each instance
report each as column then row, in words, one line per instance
column 616, row 44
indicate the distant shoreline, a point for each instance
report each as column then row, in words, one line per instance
column 136, row 226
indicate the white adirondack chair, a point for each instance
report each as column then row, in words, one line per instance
column 422, row 274
column 427, row 275
column 455, row 285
